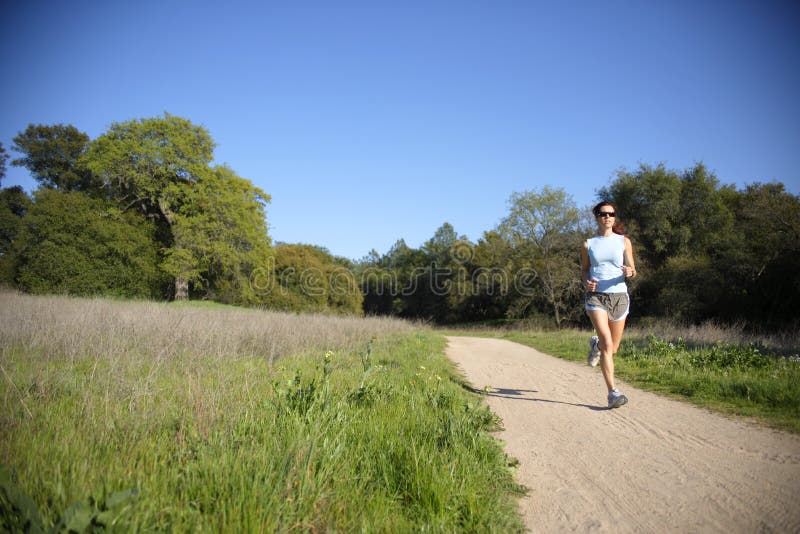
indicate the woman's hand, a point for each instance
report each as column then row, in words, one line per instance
column 591, row 285
column 629, row 272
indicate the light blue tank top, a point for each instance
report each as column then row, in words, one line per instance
column 606, row 256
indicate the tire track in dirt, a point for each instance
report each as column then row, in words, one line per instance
column 654, row 465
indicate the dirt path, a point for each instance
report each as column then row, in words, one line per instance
column 654, row 465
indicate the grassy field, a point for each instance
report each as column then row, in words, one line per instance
column 138, row 416
column 758, row 378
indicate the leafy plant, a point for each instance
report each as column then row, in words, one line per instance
column 18, row 512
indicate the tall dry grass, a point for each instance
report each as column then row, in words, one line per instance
column 181, row 406
column 78, row 327
column 131, row 352
column 785, row 342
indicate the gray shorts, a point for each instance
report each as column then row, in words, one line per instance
column 616, row 305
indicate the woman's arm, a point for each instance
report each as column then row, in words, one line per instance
column 629, row 266
column 591, row 285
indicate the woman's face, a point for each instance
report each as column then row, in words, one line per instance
column 606, row 217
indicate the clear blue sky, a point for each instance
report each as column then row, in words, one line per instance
column 372, row 121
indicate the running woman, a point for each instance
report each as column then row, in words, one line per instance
column 606, row 261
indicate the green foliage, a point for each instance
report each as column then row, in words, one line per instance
column 760, row 261
column 150, row 162
column 14, row 203
column 224, row 238
column 688, row 287
column 544, row 229
column 95, row 516
column 211, row 221
column 52, row 155
column 705, row 251
column 18, row 512
column 717, row 356
column 441, row 285
column 154, row 165
column 3, row 158
column 306, row 278
column 704, row 206
column 649, row 201
column 387, row 281
column 70, row 243
column 492, row 274
column 525, row 267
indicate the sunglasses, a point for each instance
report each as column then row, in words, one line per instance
column 607, row 214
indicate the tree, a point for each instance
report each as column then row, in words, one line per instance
column 439, row 283
column 760, row 261
column 157, row 166
column 691, row 288
column 381, row 278
column 407, row 267
column 224, row 233
column 707, row 218
column 491, row 275
column 649, row 200
column 543, row 228
column 52, row 155
column 3, row 158
column 697, row 259
column 71, row 243
column 14, row 204
column 438, row 248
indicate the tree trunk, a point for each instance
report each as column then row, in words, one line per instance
column 181, row 283
column 181, row 289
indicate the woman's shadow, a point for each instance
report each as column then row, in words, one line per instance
column 520, row 394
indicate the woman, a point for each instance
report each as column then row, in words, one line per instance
column 606, row 261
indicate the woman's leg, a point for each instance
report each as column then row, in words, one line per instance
column 617, row 328
column 607, row 364
column 605, row 333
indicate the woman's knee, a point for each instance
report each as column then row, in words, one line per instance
column 606, row 344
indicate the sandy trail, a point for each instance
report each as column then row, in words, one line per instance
column 654, row 465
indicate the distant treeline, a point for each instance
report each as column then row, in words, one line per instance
column 141, row 212
column 703, row 252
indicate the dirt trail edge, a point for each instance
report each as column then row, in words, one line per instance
column 654, row 465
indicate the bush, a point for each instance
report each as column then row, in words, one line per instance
column 72, row 244
column 307, row 278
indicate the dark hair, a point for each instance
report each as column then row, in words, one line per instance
column 618, row 227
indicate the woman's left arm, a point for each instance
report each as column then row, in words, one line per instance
column 629, row 266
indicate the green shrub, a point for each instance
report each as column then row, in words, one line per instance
column 73, row 244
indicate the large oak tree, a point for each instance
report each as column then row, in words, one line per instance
column 211, row 221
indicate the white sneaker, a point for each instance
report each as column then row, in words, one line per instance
column 594, row 352
column 616, row 399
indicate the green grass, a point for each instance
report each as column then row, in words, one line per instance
column 376, row 436
column 740, row 380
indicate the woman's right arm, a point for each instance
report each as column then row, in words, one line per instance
column 585, row 267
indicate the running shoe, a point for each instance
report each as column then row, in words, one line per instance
column 616, row 399
column 594, row 352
